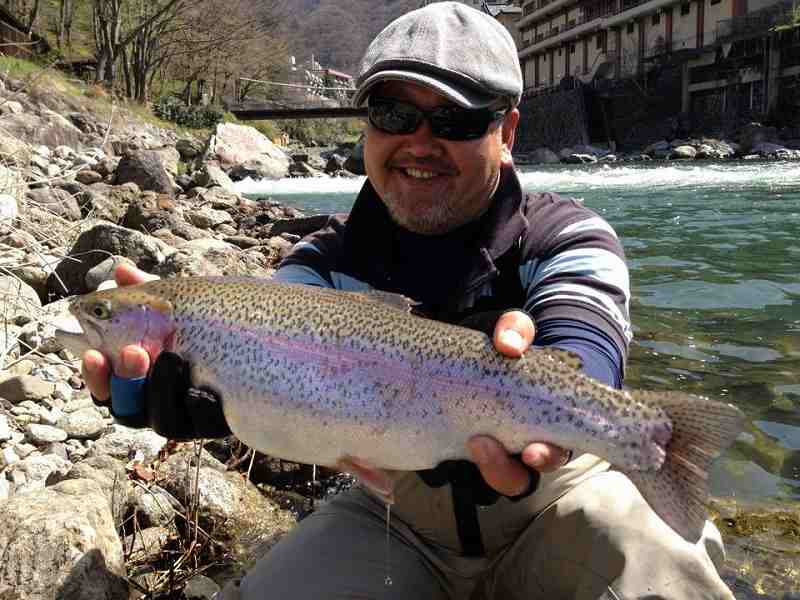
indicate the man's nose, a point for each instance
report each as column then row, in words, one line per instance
column 422, row 142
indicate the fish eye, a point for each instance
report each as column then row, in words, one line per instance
column 100, row 310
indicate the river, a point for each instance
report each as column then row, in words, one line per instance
column 714, row 252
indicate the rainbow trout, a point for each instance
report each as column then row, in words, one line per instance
column 319, row 376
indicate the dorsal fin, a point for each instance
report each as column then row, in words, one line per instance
column 398, row 301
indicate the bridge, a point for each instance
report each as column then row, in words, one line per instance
column 255, row 113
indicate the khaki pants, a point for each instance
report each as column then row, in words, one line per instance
column 599, row 540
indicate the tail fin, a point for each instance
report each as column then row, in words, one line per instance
column 702, row 429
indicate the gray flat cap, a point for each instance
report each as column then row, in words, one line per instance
column 461, row 53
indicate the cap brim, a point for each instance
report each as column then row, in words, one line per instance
column 458, row 94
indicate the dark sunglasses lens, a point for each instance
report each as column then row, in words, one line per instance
column 459, row 124
column 394, row 117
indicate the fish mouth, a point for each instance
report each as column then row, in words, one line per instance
column 71, row 335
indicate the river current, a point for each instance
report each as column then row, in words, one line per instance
column 714, row 253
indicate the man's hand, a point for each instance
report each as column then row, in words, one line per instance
column 135, row 362
column 513, row 334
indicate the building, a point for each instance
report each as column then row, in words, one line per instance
column 734, row 54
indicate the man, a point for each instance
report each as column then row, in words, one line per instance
column 442, row 219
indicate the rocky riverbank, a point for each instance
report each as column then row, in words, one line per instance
column 753, row 142
column 88, row 508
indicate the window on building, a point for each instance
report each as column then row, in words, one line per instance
column 599, row 40
column 559, row 51
column 572, row 49
column 686, row 8
column 630, row 27
column 713, row 2
column 657, row 17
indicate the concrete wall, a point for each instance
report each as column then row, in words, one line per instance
column 684, row 27
column 556, row 121
column 714, row 13
column 629, row 53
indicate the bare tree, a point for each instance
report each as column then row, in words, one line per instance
column 117, row 23
column 228, row 39
column 66, row 12
column 27, row 11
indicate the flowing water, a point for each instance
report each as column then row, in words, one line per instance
column 714, row 253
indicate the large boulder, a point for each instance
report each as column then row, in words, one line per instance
column 544, row 156
column 61, row 542
column 754, row 134
column 108, row 202
column 210, row 175
column 146, row 169
column 57, row 201
column 95, row 245
column 242, row 146
column 355, row 162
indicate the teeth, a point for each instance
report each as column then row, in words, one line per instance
column 420, row 174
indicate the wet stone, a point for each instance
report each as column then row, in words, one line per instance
column 44, row 434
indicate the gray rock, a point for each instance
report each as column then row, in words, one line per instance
column 9, row 209
column 211, row 175
column 170, row 158
column 765, row 148
column 146, row 169
column 38, row 469
column 189, row 148
column 219, row 198
column 107, row 202
column 123, row 442
column 95, row 245
column 104, row 271
column 240, row 145
column 242, row 241
column 200, row 587
column 108, row 473
column 44, row 434
column 19, row 388
column 544, row 156
column 8, row 457
column 754, row 134
column 355, row 162
column 5, row 430
column 684, row 152
column 17, row 299
column 86, row 423
column 208, row 218
column 301, row 226
column 155, row 506
column 61, row 542
column 186, row 263
column 145, row 546
column 13, row 150
column 88, row 177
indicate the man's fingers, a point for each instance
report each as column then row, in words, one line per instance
column 96, row 369
column 545, row 457
column 514, row 333
column 502, row 472
column 126, row 274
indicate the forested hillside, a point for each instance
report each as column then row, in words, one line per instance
column 338, row 31
column 146, row 49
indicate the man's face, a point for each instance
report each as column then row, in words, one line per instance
column 431, row 185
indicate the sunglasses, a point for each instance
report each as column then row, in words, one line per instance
column 452, row 123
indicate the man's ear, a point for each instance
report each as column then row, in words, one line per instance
column 510, row 122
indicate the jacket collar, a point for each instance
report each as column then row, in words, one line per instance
column 370, row 235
